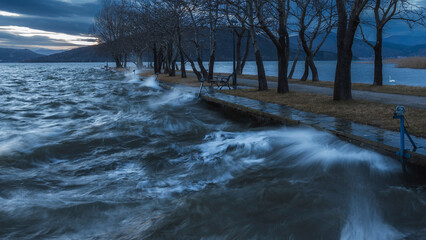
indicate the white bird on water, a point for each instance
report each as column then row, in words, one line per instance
column 391, row 80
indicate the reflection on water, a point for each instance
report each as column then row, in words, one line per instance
column 87, row 154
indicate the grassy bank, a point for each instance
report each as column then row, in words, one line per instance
column 393, row 89
column 364, row 112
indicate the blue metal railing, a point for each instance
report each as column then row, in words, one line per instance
column 399, row 113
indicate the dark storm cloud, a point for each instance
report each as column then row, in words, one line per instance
column 51, row 8
column 72, row 17
column 13, row 41
column 49, row 24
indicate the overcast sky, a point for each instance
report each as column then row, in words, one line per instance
column 65, row 24
column 53, row 24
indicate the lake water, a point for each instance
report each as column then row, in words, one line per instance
column 88, row 154
column 361, row 72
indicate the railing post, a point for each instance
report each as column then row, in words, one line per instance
column 402, row 135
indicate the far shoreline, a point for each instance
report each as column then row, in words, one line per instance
column 362, row 70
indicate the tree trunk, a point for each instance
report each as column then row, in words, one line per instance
column 117, row 61
column 346, row 29
column 238, row 68
column 165, row 67
column 308, row 54
column 125, row 60
column 212, row 57
column 283, row 51
column 194, row 69
column 211, row 64
column 179, row 42
column 282, row 72
column 200, row 63
column 182, row 65
column 243, row 63
column 172, row 72
column 140, row 61
column 159, row 60
column 342, row 82
column 263, row 84
column 314, row 70
column 306, row 72
column 169, row 60
column 154, row 53
column 378, row 60
column 296, row 58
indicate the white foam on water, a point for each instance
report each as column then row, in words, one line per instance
column 178, row 184
column 243, row 145
column 151, row 82
column 11, row 145
column 18, row 141
column 229, row 153
column 174, row 97
column 365, row 222
column 306, row 147
column 310, row 145
column 318, row 147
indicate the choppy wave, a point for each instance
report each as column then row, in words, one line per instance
column 89, row 154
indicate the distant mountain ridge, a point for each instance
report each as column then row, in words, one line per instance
column 16, row 55
column 83, row 54
column 224, row 50
column 407, row 40
column 45, row 51
column 328, row 50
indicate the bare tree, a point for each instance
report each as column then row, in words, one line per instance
column 239, row 28
column 138, row 36
column 161, row 27
column 295, row 59
column 179, row 13
column 270, row 14
column 244, row 12
column 198, row 22
column 110, row 28
column 315, row 18
column 385, row 11
column 213, row 12
column 348, row 19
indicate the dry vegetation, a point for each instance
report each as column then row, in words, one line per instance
column 364, row 112
column 411, row 62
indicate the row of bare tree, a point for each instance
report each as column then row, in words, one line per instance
column 175, row 30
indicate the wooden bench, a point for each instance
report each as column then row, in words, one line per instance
column 220, row 81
